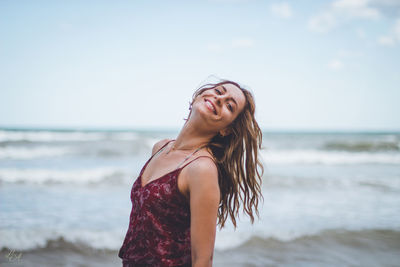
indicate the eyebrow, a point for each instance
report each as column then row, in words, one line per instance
column 233, row 100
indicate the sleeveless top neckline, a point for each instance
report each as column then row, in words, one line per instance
column 159, row 225
column 168, row 173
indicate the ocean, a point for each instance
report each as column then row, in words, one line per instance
column 330, row 199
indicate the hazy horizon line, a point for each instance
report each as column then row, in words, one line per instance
column 176, row 129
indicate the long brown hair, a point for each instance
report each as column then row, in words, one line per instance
column 236, row 155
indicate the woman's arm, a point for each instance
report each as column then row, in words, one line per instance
column 204, row 201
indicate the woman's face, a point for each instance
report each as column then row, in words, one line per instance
column 220, row 105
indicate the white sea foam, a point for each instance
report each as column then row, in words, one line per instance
column 42, row 176
column 37, row 238
column 328, row 157
column 302, row 196
column 52, row 136
column 48, row 136
column 27, row 239
column 129, row 136
column 33, row 152
column 318, row 182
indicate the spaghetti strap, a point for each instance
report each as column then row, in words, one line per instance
column 195, row 159
column 162, row 147
column 152, row 156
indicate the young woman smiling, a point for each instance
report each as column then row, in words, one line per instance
column 195, row 182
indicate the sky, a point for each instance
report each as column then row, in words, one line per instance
column 311, row 65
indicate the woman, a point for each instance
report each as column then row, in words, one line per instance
column 189, row 183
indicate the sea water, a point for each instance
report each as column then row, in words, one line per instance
column 329, row 199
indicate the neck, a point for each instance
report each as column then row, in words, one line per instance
column 191, row 136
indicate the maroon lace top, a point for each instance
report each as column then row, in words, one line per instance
column 159, row 225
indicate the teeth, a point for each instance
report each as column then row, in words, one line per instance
column 210, row 105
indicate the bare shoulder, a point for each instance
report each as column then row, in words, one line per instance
column 203, row 165
column 159, row 144
column 203, row 173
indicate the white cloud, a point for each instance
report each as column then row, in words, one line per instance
column 393, row 37
column 340, row 11
column 387, row 7
column 386, row 41
column 387, row 2
column 335, row 64
column 322, row 22
column 349, row 3
column 356, row 8
column 283, row 10
column 396, row 29
column 244, row 42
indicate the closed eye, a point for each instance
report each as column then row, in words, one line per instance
column 220, row 93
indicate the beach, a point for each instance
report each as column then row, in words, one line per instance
column 330, row 199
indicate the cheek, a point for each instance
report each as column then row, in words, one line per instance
column 234, row 116
column 228, row 117
column 196, row 101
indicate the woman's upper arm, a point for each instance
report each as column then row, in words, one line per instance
column 204, row 201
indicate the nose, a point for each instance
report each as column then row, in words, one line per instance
column 218, row 99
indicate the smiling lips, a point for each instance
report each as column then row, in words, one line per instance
column 210, row 106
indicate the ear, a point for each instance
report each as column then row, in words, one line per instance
column 190, row 112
